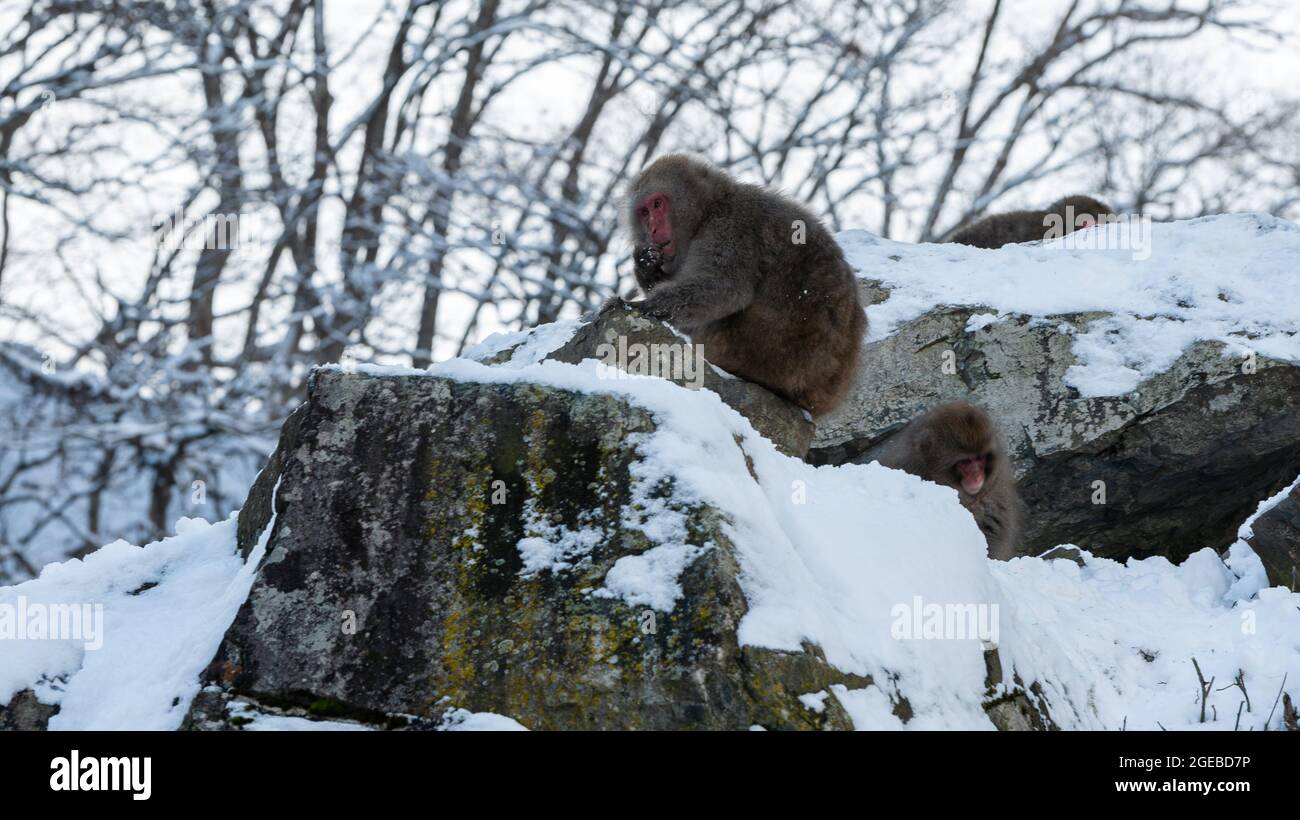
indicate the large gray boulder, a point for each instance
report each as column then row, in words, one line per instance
column 1183, row 460
column 393, row 587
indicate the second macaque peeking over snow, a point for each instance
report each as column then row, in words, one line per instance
column 753, row 278
column 957, row 445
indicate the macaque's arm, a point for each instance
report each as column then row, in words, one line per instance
column 717, row 279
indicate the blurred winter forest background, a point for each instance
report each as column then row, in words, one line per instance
column 200, row 201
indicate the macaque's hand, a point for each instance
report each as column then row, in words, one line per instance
column 649, row 257
column 660, row 306
column 617, row 304
column 613, row 303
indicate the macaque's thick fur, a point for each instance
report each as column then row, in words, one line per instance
column 932, row 443
column 1033, row 226
column 755, row 279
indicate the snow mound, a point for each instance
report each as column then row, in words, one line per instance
column 165, row 607
column 530, row 346
column 463, row 720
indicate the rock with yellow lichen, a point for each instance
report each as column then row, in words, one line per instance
column 436, row 545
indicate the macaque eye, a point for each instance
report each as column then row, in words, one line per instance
column 659, row 203
column 644, row 212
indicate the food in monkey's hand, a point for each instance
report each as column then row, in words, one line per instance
column 649, row 267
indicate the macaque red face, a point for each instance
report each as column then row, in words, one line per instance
column 654, row 212
column 961, row 447
column 971, row 471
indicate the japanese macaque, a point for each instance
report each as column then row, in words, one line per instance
column 752, row 277
column 1061, row 217
column 957, row 445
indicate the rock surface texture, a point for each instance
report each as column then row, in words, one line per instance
column 639, row 344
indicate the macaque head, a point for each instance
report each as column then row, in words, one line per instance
column 668, row 202
column 961, row 448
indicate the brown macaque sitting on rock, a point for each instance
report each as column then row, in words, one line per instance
column 957, row 445
column 753, row 278
column 1061, row 217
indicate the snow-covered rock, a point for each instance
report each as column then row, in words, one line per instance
column 638, row 345
column 516, row 541
column 555, row 546
column 1150, row 399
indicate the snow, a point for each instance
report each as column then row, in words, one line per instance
column 1088, row 628
column 463, row 720
column 555, row 554
column 1245, row 530
column 166, row 607
column 530, row 345
column 285, row 723
column 1233, row 278
column 453, row 720
column 552, row 548
column 1243, row 561
column 869, row 708
column 650, row 579
column 156, row 640
column 258, row 721
column 816, row 701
